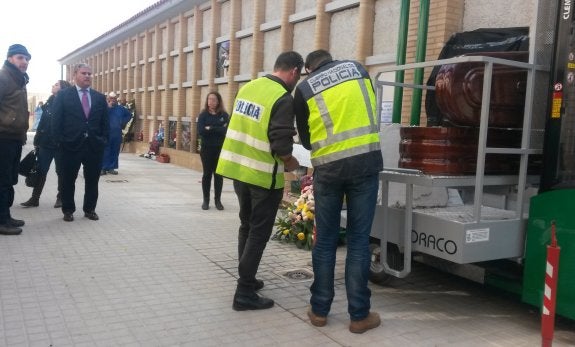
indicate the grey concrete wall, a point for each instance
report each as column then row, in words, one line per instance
column 498, row 13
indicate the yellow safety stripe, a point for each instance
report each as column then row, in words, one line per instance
column 367, row 100
column 332, row 139
column 248, row 140
column 328, row 158
column 249, row 162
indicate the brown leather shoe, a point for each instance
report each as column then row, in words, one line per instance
column 315, row 320
column 360, row 326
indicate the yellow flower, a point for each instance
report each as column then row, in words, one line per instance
column 286, row 231
column 300, row 236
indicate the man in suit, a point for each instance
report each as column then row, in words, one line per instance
column 80, row 128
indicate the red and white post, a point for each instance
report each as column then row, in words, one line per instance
column 550, row 292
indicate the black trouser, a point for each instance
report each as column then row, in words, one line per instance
column 70, row 161
column 10, row 153
column 45, row 157
column 209, row 156
column 258, row 209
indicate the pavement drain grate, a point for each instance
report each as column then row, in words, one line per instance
column 297, row 275
column 117, row 181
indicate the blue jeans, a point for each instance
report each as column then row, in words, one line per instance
column 361, row 197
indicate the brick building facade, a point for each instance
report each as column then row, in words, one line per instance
column 169, row 56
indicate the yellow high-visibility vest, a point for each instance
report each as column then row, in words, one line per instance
column 342, row 119
column 246, row 154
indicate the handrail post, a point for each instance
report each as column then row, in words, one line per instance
column 400, row 60
column 419, row 57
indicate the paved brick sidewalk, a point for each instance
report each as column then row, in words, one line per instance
column 156, row 270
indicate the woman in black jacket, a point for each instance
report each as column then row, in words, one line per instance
column 212, row 125
column 46, row 148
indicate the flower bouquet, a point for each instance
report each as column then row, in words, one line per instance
column 295, row 222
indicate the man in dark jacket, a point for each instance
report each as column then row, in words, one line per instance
column 80, row 128
column 335, row 114
column 13, row 126
column 256, row 151
column 46, row 149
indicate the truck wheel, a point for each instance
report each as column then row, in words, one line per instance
column 376, row 273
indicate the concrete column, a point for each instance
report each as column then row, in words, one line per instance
column 322, row 23
column 167, row 95
column 365, row 29
column 180, row 93
column 233, row 70
column 149, row 120
column 258, row 38
column 196, row 93
column 129, row 69
column 216, row 25
column 108, row 71
column 158, row 111
column 286, row 35
column 138, row 81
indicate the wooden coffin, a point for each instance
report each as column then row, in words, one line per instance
column 453, row 151
column 459, row 89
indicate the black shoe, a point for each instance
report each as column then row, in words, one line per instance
column 8, row 229
column 16, row 222
column 112, row 172
column 251, row 302
column 219, row 205
column 259, row 285
column 30, row 203
column 91, row 215
column 58, row 203
column 103, row 172
column 68, row 217
column 205, row 206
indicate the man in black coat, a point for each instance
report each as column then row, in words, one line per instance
column 13, row 125
column 80, row 128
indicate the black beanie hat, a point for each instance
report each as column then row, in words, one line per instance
column 18, row 49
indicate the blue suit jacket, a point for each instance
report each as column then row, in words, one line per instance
column 70, row 127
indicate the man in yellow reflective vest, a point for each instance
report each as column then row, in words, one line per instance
column 336, row 120
column 256, row 151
